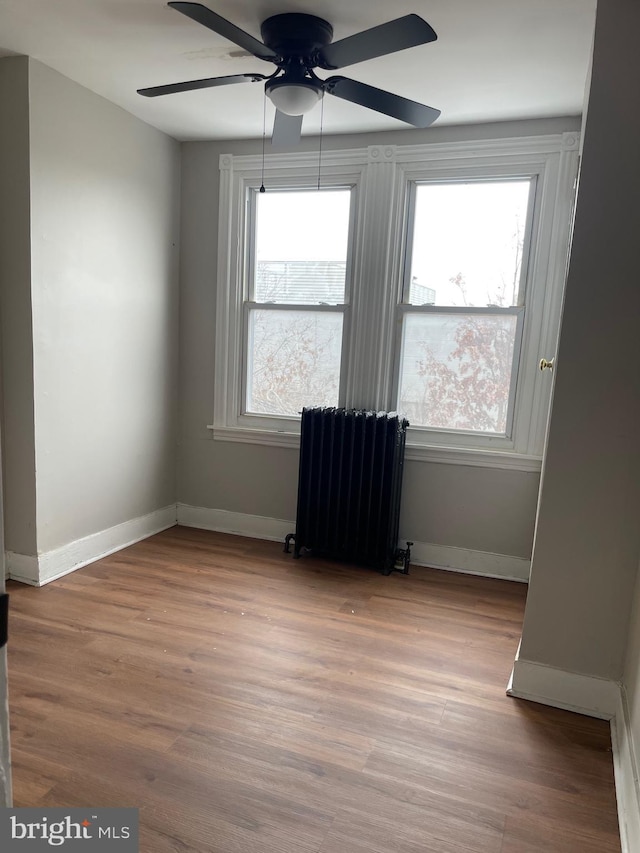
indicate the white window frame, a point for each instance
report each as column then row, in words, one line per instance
column 382, row 177
column 239, row 176
column 434, row 436
column 253, row 420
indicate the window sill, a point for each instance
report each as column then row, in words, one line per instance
column 468, row 456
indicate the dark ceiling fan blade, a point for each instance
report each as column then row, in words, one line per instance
column 286, row 130
column 203, row 15
column 392, row 105
column 206, row 83
column 408, row 31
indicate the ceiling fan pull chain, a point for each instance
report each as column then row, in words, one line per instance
column 264, row 134
column 320, row 145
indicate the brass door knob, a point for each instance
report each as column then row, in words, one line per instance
column 546, row 365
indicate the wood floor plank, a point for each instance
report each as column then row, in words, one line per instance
column 247, row 701
column 485, row 777
column 33, row 776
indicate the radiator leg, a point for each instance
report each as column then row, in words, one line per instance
column 404, row 554
column 287, row 541
column 407, row 558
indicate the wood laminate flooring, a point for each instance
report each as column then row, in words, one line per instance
column 247, row 702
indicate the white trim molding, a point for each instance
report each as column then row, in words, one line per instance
column 50, row 565
column 625, row 769
column 470, row 562
column 238, row 523
column 6, row 792
column 469, row 456
column 21, row 567
column 382, row 179
column 572, row 691
column 422, row 553
column 596, row 697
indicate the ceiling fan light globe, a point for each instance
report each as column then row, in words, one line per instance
column 294, row 99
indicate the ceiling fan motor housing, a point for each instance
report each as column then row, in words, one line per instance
column 296, row 34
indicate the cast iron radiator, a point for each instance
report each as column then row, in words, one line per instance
column 349, row 487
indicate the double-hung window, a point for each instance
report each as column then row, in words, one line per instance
column 425, row 279
column 297, row 287
column 463, row 303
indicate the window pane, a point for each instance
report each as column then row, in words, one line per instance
column 301, row 246
column 456, row 369
column 293, row 361
column 468, row 242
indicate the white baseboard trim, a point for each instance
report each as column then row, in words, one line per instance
column 470, row 562
column 422, row 553
column 239, row 523
column 583, row 694
column 21, row 567
column 625, row 768
column 595, row 697
column 49, row 566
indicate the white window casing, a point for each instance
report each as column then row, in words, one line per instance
column 381, row 178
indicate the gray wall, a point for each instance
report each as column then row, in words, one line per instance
column 474, row 508
column 91, row 314
column 15, row 308
column 105, row 206
column 587, row 538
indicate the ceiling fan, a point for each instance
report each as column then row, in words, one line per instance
column 297, row 43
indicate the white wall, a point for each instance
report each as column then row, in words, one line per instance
column 90, row 316
column 104, row 249
column 587, row 538
column 15, row 308
column 479, row 509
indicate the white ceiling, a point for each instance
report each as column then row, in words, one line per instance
column 494, row 59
